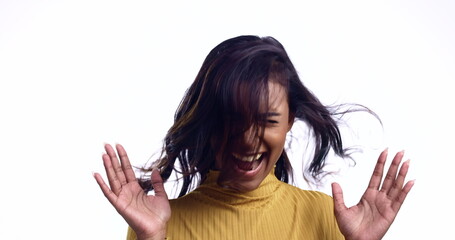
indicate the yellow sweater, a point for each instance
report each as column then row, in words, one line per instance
column 275, row 210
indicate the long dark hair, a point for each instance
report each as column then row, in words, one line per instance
column 225, row 100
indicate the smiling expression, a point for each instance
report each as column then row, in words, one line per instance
column 245, row 170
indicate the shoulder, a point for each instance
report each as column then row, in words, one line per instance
column 310, row 195
column 315, row 208
column 312, row 210
column 185, row 202
column 307, row 201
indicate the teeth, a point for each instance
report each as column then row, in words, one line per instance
column 248, row 158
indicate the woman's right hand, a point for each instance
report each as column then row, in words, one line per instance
column 146, row 214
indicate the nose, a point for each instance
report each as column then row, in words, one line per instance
column 251, row 140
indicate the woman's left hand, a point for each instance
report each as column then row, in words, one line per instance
column 379, row 205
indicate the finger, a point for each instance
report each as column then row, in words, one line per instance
column 392, row 172
column 157, row 183
column 115, row 164
column 396, row 205
column 375, row 180
column 105, row 189
column 114, row 182
column 338, row 199
column 126, row 165
column 398, row 183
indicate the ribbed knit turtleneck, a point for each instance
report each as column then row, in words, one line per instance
column 275, row 210
column 228, row 197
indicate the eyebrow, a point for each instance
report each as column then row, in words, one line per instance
column 272, row 114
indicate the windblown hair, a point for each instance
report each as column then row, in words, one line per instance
column 227, row 98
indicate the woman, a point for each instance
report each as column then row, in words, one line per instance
column 228, row 137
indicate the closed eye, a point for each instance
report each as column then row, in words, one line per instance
column 270, row 117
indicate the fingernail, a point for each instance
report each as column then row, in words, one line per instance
column 385, row 151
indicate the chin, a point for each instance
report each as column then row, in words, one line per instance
column 239, row 178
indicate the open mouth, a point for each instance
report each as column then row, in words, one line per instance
column 248, row 163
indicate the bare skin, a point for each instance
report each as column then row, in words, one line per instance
column 372, row 216
column 147, row 215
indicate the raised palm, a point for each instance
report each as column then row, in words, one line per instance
column 379, row 205
column 146, row 214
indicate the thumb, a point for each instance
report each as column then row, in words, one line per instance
column 338, row 200
column 157, row 183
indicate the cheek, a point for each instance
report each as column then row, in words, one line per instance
column 277, row 140
column 277, row 146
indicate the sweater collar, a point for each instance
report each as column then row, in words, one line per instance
column 260, row 195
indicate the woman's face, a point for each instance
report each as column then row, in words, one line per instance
column 244, row 169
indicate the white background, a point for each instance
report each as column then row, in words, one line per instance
column 77, row 74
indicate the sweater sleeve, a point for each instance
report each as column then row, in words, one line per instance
column 131, row 235
column 329, row 220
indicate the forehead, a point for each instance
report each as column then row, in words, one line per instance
column 277, row 97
